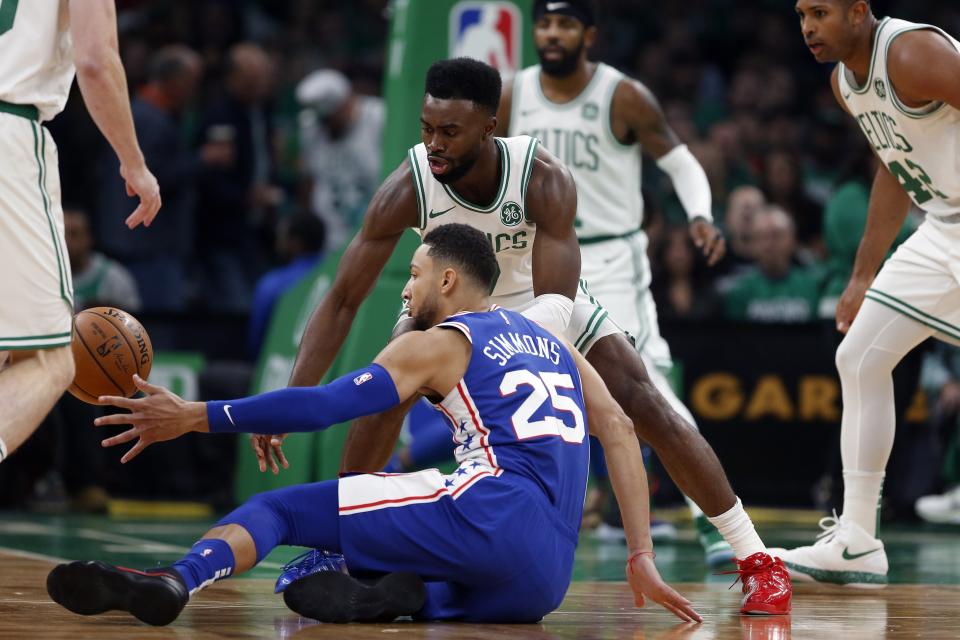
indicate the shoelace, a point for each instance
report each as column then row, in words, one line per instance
column 830, row 526
column 743, row 572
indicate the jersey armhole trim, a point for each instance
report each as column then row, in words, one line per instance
column 528, row 163
column 458, row 326
column 418, row 188
column 928, row 109
column 873, row 60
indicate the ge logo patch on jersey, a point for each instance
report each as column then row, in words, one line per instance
column 366, row 376
column 486, row 31
column 511, row 214
column 880, row 88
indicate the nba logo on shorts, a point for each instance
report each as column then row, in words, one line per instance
column 487, row 31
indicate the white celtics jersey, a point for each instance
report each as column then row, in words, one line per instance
column 36, row 54
column 919, row 146
column 504, row 220
column 578, row 132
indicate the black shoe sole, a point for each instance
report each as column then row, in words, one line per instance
column 329, row 596
column 90, row 588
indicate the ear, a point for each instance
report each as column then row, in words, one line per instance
column 490, row 127
column 448, row 280
column 589, row 38
column 859, row 11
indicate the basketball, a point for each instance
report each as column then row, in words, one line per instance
column 109, row 346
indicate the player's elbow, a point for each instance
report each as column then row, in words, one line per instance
column 611, row 427
column 90, row 65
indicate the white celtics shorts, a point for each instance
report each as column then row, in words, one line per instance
column 36, row 291
column 922, row 279
column 617, row 273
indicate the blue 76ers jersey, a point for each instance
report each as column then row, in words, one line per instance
column 519, row 410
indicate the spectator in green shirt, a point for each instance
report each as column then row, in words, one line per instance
column 776, row 289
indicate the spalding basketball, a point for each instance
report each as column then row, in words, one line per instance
column 109, row 346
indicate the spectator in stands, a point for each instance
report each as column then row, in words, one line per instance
column 783, row 184
column 743, row 204
column 97, row 280
column 238, row 201
column 341, row 143
column 300, row 244
column 680, row 287
column 776, row 290
column 158, row 260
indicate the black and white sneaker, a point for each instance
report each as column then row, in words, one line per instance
column 335, row 597
column 90, row 588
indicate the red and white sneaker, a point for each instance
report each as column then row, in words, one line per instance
column 766, row 585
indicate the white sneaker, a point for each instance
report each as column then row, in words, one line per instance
column 944, row 509
column 844, row 554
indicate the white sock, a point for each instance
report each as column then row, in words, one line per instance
column 737, row 529
column 3, row 450
column 861, row 498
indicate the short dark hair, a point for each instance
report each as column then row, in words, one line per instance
column 465, row 79
column 467, row 248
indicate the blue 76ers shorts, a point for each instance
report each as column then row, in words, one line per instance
column 488, row 543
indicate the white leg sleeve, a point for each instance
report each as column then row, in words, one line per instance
column 876, row 342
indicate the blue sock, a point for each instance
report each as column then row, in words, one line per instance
column 209, row 560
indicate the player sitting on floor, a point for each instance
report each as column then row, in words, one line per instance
column 492, row 542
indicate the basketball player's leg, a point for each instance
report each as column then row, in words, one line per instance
column 914, row 296
column 686, row 455
column 694, row 466
column 301, row 515
column 30, row 385
column 850, row 554
column 36, row 287
column 617, row 273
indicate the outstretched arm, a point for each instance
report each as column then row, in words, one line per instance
column 614, row 430
column 427, row 362
column 392, row 210
column 636, row 116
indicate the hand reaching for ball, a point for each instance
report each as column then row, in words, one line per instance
column 158, row 416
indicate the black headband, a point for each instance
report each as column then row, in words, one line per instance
column 579, row 10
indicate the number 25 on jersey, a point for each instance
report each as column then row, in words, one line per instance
column 544, row 387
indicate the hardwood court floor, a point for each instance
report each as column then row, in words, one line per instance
column 595, row 608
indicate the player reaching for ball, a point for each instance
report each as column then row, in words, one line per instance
column 43, row 43
column 493, row 541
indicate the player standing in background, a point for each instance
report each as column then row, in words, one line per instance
column 597, row 121
column 42, row 43
column 899, row 81
column 494, row 540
